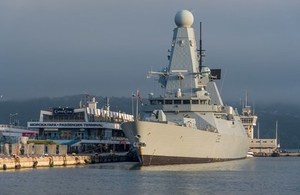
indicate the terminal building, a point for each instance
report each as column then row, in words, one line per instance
column 83, row 129
column 258, row 146
column 13, row 134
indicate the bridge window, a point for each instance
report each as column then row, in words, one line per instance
column 203, row 102
column 195, row 101
column 177, row 101
column 153, row 102
column 168, row 101
column 186, row 102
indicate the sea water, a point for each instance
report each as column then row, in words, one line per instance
column 265, row 175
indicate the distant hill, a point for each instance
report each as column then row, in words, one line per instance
column 287, row 114
column 29, row 110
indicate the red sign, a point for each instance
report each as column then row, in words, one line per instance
column 28, row 134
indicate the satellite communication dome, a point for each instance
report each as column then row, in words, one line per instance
column 184, row 18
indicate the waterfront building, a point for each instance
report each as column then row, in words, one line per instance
column 258, row 146
column 84, row 129
column 13, row 134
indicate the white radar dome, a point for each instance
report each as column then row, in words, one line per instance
column 184, row 18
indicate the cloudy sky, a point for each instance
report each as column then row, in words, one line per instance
column 105, row 47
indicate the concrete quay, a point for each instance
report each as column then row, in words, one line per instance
column 289, row 154
column 277, row 154
column 110, row 158
column 18, row 162
column 35, row 161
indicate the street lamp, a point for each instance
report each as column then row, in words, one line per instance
column 10, row 117
column 10, row 125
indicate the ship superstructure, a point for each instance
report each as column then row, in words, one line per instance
column 188, row 123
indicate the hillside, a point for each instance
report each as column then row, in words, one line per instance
column 287, row 114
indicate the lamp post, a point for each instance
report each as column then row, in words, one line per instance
column 10, row 125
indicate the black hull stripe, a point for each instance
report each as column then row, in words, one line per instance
column 148, row 160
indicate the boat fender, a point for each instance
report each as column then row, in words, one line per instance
column 65, row 160
column 77, row 160
column 35, row 162
column 51, row 162
column 17, row 159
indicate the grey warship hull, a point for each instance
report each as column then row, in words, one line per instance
column 163, row 144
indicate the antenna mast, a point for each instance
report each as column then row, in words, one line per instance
column 276, row 131
column 246, row 98
column 200, row 48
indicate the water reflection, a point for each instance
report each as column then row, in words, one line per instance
column 249, row 176
column 41, row 168
column 235, row 165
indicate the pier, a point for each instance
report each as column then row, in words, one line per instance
column 277, row 154
column 287, row 154
column 37, row 154
column 18, row 162
column 34, row 161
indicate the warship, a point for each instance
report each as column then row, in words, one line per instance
column 188, row 123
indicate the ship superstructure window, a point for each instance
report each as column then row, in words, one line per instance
column 156, row 102
column 153, row 102
column 160, row 102
column 186, row 102
column 177, row 101
column 195, row 101
column 168, row 102
column 203, row 102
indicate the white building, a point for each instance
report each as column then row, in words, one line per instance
column 84, row 128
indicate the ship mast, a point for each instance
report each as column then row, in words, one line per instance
column 246, row 99
column 276, row 133
column 201, row 54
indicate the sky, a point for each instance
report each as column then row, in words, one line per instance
column 65, row 47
